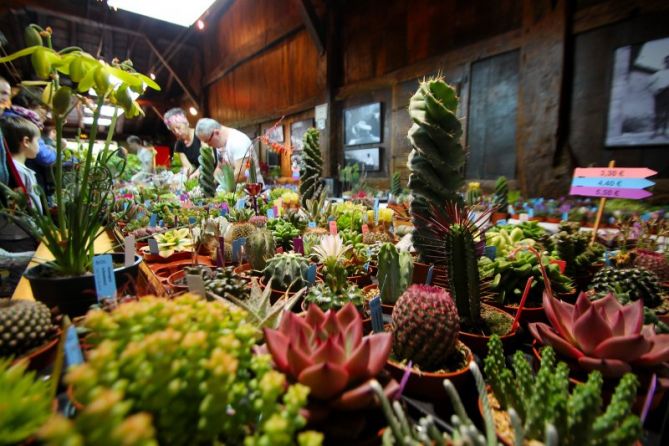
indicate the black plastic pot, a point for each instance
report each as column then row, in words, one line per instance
column 74, row 295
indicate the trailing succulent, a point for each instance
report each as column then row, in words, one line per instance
column 544, row 397
column 602, row 335
column 207, row 161
column 501, row 194
column 312, row 167
column 189, row 363
column 425, row 327
column 395, row 272
column 437, row 158
column 287, row 271
column 327, row 352
column 24, row 325
column 24, row 402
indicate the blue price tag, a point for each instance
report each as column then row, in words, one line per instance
column 565, row 216
column 73, row 354
column 103, row 274
column 430, row 273
column 192, row 220
column 311, row 274
column 125, row 206
column 161, row 223
column 225, row 209
column 490, row 252
column 312, row 224
column 376, row 314
column 645, row 217
column 153, row 246
column 530, row 212
column 237, row 249
column 510, row 210
column 501, row 222
column 241, row 203
column 147, row 203
column 153, row 220
column 376, row 211
column 607, row 258
column 270, row 213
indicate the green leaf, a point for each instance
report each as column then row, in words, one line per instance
column 24, row 52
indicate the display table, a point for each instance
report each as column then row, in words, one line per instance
column 147, row 282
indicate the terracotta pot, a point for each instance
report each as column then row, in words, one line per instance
column 385, row 308
column 439, row 277
column 174, row 281
column 553, row 220
column 479, row 343
column 430, row 385
column 153, row 258
column 497, row 216
column 529, row 314
column 163, row 271
column 245, row 271
column 42, row 357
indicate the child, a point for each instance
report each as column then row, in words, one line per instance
column 22, row 138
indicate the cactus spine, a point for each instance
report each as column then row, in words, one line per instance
column 396, row 184
column 312, row 167
column 463, row 273
column 425, row 326
column 437, row 158
column 207, row 166
column 287, row 270
column 395, row 272
column 500, row 198
column 260, row 247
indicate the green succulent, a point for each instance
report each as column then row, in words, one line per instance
column 327, row 298
column 312, row 167
column 207, row 166
column 287, row 271
column 284, row 232
column 500, row 197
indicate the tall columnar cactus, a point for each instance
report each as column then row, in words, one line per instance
column 395, row 272
column 259, row 247
column 500, row 198
column 425, row 326
column 463, row 273
column 207, row 167
column 437, row 158
column 473, row 195
column 396, row 184
column 312, row 167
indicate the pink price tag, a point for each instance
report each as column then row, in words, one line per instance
column 365, row 229
column 333, row 227
column 560, row 263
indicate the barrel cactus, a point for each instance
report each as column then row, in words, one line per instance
column 287, row 271
column 24, row 325
column 638, row 283
column 312, row 167
column 395, row 272
column 437, row 158
column 473, row 195
column 500, row 197
column 207, row 166
column 425, row 326
column 260, row 247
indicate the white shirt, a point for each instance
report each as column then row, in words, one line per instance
column 236, row 147
column 30, row 182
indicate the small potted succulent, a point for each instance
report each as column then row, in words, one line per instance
column 285, row 272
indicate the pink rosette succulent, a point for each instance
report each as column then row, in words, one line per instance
column 328, row 353
column 602, row 334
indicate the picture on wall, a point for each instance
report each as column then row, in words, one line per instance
column 297, row 131
column 275, row 134
column 362, row 124
column 639, row 103
column 371, row 158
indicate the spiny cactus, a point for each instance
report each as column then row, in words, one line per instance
column 637, row 283
column 259, row 247
column 24, row 325
column 545, row 398
column 473, row 194
column 437, row 158
column 500, row 198
column 312, row 167
column 207, row 166
column 654, row 262
column 395, row 272
column 396, row 184
column 425, row 326
column 287, row 271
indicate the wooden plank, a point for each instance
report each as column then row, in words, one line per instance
column 613, row 11
column 313, row 24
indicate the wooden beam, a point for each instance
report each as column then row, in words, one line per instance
column 613, row 11
column 312, row 23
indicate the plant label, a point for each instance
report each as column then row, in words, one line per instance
column 607, row 258
column 73, row 354
column 237, row 249
column 333, row 227
column 565, row 216
column 298, row 245
column 153, row 220
column 192, row 220
column 225, row 209
column 365, row 229
column 530, row 212
column 240, row 203
column 153, row 246
column 129, row 250
column 312, row 224
column 376, row 211
column 196, row 284
column 490, row 252
column 524, row 217
column 377, row 314
column 430, row 273
column 562, row 264
column 501, row 222
column 510, row 210
column 161, row 223
column 125, row 206
column 147, row 203
column 103, row 274
column 270, row 213
column 311, row 274
column 276, row 211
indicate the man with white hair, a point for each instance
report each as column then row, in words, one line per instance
column 232, row 146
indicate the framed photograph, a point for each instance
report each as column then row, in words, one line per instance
column 297, row 131
column 370, row 157
column 276, row 134
column 639, row 99
column 362, row 124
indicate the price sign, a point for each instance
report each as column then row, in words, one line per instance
column 103, row 274
column 612, row 182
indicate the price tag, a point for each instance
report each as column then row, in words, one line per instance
column 125, row 206
column 311, row 274
column 333, row 227
column 225, row 209
column 365, row 229
column 501, row 222
column 276, row 211
column 298, row 245
column 530, row 213
column 376, row 314
column 430, row 273
column 240, row 203
column 565, row 216
column 490, row 252
column 376, row 211
column 153, row 246
column 192, row 220
column 73, row 354
column 147, row 203
column 103, row 274
column 562, row 265
column 270, row 213
column 607, row 258
column 129, row 250
column 237, row 249
column 196, row 284
column 161, row 223
column 312, row 224
column 524, row 217
column 510, row 210
column 153, row 220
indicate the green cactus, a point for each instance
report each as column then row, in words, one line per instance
column 312, row 167
column 463, row 273
column 287, row 271
column 396, row 184
column 395, row 272
column 500, row 197
column 437, row 158
column 573, row 246
column 259, row 247
column 545, row 399
column 207, row 166
column 473, row 194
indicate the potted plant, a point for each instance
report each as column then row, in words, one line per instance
column 82, row 202
column 286, row 272
column 395, row 269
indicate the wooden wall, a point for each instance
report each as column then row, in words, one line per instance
column 263, row 63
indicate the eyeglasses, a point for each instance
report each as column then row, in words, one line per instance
column 208, row 141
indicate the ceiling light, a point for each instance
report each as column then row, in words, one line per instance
column 200, row 25
column 102, row 122
column 173, row 11
column 193, row 111
column 152, row 76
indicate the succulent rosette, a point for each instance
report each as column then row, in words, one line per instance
column 602, row 335
column 327, row 352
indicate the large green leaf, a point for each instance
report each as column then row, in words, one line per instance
column 24, row 52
